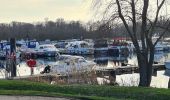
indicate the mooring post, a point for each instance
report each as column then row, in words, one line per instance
column 169, row 83
column 12, row 56
column 112, row 77
column 154, row 72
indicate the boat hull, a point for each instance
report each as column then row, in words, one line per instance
column 79, row 51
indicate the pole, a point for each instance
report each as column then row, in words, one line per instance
column 32, row 70
column 12, row 53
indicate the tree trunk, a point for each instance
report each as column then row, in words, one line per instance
column 150, row 66
column 145, row 71
column 145, row 68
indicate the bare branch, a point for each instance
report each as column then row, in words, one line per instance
column 123, row 19
column 162, row 34
column 156, row 17
column 133, row 17
column 134, row 39
column 144, row 22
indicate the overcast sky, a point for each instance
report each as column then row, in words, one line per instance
column 38, row 10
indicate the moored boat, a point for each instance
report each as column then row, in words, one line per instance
column 47, row 50
column 79, row 47
column 68, row 64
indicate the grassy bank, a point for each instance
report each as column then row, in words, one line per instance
column 10, row 87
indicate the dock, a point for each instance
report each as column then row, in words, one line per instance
column 127, row 69
column 111, row 72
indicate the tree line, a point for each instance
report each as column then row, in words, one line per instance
column 61, row 29
column 58, row 30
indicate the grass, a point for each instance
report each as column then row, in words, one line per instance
column 85, row 92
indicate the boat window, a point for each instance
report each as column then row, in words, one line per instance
column 41, row 47
column 63, row 58
column 82, row 60
column 68, row 63
column 49, row 46
column 84, row 45
column 32, row 43
column 75, row 46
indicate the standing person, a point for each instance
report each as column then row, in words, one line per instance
column 31, row 63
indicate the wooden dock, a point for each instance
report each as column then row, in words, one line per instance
column 126, row 69
column 130, row 69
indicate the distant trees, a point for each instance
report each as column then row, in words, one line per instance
column 60, row 29
column 44, row 30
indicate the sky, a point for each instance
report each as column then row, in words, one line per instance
column 39, row 10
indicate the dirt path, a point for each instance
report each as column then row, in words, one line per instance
column 30, row 98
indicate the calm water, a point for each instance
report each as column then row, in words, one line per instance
column 160, row 81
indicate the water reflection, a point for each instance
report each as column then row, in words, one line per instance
column 111, row 61
column 159, row 57
column 167, row 72
column 160, row 80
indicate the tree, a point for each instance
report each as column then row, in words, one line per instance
column 141, row 20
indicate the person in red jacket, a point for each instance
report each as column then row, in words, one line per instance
column 31, row 63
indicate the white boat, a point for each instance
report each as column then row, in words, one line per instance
column 159, row 47
column 29, row 46
column 79, row 47
column 68, row 64
column 34, row 48
column 47, row 50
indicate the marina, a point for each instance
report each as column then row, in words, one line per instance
column 85, row 49
column 105, row 66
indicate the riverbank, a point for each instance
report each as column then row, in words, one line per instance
column 82, row 92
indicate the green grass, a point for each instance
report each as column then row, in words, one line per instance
column 86, row 92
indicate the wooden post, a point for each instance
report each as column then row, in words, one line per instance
column 169, row 83
column 12, row 54
column 32, row 70
column 112, row 77
column 154, row 72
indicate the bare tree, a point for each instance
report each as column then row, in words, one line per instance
column 131, row 13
